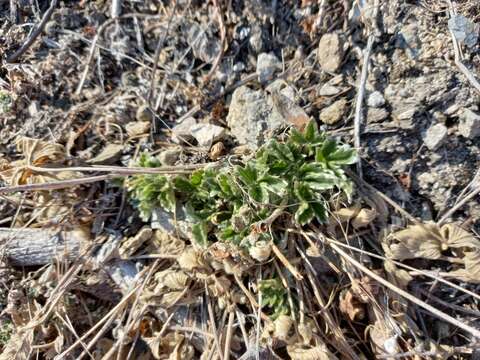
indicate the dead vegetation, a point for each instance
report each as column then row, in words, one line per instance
column 176, row 184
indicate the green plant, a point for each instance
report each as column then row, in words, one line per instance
column 6, row 331
column 299, row 174
column 274, row 297
column 5, row 102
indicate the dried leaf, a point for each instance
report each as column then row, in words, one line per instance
column 165, row 244
column 132, row 244
column 427, row 241
column 37, row 152
column 351, row 306
column 190, row 259
column 319, row 352
column 290, row 111
column 172, row 279
column 282, row 326
column 359, row 217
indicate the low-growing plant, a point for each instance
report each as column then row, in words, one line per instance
column 274, row 297
column 299, row 175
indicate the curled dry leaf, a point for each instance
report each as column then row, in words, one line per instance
column 282, row 326
column 165, row 244
column 358, row 217
column 190, row 259
column 35, row 152
column 171, row 279
column 170, row 346
column 319, row 352
column 260, row 251
column 351, row 305
column 471, row 272
column 132, row 244
column 428, row 241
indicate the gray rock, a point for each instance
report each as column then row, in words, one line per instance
column 169, row 157
column 207, row 134
column 256, row 41
column 205, row 47
column 182, row 131
column 330, row 52
column 469, row 126
column 283, row 88
column 464, row 30
column 333, row 113
column 267, row 65
column 435, row 136
column 375, row 100
column 250, row 117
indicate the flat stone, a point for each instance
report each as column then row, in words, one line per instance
column 207, row 134
column 330, row 52
column 329, row 90
column 435, row 136
column 169, row 157
column 469, row 126
column 333, row 113
column 135, row 128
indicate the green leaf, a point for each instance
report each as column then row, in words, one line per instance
column 273, row 184
column 333, row 154
column 247, row 174
column 196, row 177
column 311, row 131
column 320, row 211
column 320, row 181
column 302, row 191
column 200, row 233
column 183, row 185
column 304, row 214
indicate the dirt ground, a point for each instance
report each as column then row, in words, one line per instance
column 86, row 87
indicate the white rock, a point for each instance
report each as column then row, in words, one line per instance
column 329, row 90
column 376, row 100
column 435, row 136
column 469, row 126
column 267, row 65
column 207, row 134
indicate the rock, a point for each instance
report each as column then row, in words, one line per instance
column 250, row 117
column 267, row 65
column 169, row 157
column 333, row 113
column 282, row 87
column 464, row 30
column 375, row 115
column 207, row 134
column 375, row 100
column 329, row 90
column 469, row 126
column 182, row 131
column 409, row 41
column 109, row 155
column 435, row 136
column 135, row 128
column 205, row 47
column 144, row 114
column 330, row 52
column 256, row 41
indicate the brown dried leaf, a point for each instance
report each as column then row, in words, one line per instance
column 351, row 306
column 427, row 241
column 172, row 279
column 319, row 352
column 471, row 273
column 132, row 244
column 37, row 152
column 290, row 111
column 359, row 217
column 165, row 244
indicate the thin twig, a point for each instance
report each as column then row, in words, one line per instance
column 34, row 34
column 159, row 47
column 458, row 61
column 434, row 311
column 457, row 206
column 359, row 103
